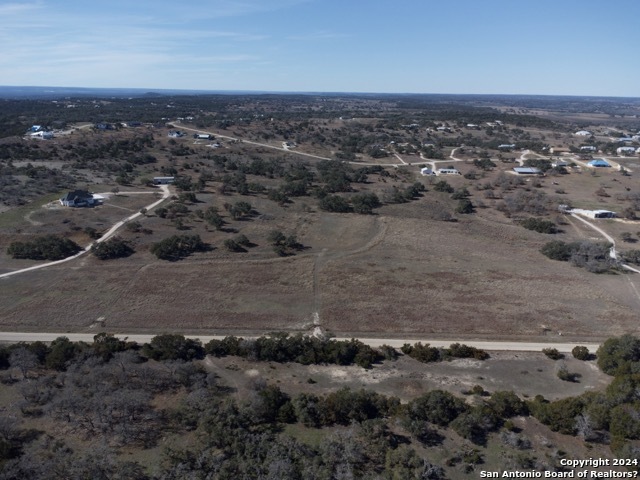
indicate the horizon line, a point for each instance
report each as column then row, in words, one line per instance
column 193, row 91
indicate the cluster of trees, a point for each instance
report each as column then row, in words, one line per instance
column 172, row 211
column 332, row 176
column 426, row 353
column 443, row 186
column 363, row 203
column 212, row 217
column 282, row 347
column 241, row 440
column 284, row 245
column 238, row 244
column 484, row 164
column 465, row 206
column 608, row 416
column 178, row 246
column 46, row 247
column 40, row 180
column 440, row 408
column 594, row 257
column 114, row 247
column 534, row 202
column 108, row 390
column 539, row 225
column 631, row 256
column 540, row 163
column 404, row 195
column 620, row 355
column 239, row 210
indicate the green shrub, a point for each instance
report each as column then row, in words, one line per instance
column 334, row 203
column 581, row 353
column 177, row 246
column 552, row 353
column 619, row 355
column 443, row 186
column 114, row 247
column 558, row 250
column 233, row 246
column 566, row 376
column 539, row 225
column 437, row 407
column 173, row 347
column 365, row 203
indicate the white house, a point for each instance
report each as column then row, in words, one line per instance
column 47, row 135
column 625, row 150
column 77, row 198
column 426, row 171
column 507, row 146
column 588, row 148
column 583, row 133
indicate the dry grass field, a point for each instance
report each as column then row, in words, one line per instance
column 394, row 273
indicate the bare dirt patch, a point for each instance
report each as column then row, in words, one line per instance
column 529, row 374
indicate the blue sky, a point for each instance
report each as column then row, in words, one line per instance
column 554, row 47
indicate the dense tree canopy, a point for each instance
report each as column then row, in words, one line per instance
column 47, row 247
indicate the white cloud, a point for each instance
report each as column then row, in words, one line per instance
column 9, row 9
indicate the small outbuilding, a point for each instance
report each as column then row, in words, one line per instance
column 603, row 214
column 447, row 171
column 559, row 150
column 163, row 180
column 527, row 170
column 426, row 171
column 594, row 213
